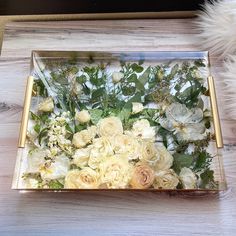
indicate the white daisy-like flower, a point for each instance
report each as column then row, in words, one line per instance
column 186, row 123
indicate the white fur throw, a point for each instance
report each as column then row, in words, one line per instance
column 230, row 86
column 217, row 22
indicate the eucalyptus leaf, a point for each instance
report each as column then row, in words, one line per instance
column 137, row 68
column 43, row 133
column 81, row 79
column 96, row 115
column 37, row 128
column 128, row 90
column 98, row 93
column 182, row 160
column 55, row 184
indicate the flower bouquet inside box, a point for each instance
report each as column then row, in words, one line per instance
column 120, row 120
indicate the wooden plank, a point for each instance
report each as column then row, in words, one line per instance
column 106, row 213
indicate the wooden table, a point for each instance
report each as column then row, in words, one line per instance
column 105, row 213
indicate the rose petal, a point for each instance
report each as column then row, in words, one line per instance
column 178, row 112
column 196, row 116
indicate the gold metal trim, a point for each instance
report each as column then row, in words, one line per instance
column 215, row 113
column 25, row 114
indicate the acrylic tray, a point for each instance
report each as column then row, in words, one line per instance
column 120, row 120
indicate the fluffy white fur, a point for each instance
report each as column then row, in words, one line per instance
column 230, row 86
column 217, row 22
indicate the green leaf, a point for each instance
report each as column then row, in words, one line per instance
column 86, row 89
column 124, row 114
column 128, row 90
column 69, row 129
column 135, row 98
column 40, row 88
column 96, row 115
column 174, row 71
column 80, row 127
column 43, row 133
column 143, row 79
column 133, row 78
column 177, row 87
column 199, row 63
column 137, row 68
column 55, row 184
column 190, row 96
column 81, row 79
column 181, row 160
column 37, row 128
column 98, row 93
column 34, row 116
column 202, row 161
column 43, row 117
column 207, row 178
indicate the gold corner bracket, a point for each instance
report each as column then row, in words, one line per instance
column 25, row 114
column 215, row 113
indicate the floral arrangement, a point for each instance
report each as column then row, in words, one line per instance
column 136, row 126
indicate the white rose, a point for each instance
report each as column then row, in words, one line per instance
column 81, row 157
column 188, row 178
column 84, row 137
column 86, row 178
column 166, row 179
column 83, row 116
column 163, row 159
column 117, row 76
column 148, row 150
column 128, row 145
column 100, row 148
column 46, row 105
column 114, row 172
column 110, row 126
column 142, row 129
column 137, row 107
column 55, row 169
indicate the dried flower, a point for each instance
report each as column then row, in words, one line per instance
column 142, row 177
column 46, row 105
column 186, row 123
column 86, row 178
column 166, row 179
column 110, row 126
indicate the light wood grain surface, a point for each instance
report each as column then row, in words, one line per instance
column 105, row 213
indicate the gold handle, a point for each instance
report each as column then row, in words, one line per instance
column 25, row 114
column 215, row 113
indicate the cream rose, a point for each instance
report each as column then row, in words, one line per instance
column 148, row 150
column 163, row 159
column 110, row 126
column 142, row 129
column 86, row 178
column 100, row 148
column 84, row 137
column 142, row 176
column 127, row 145
column 46, row 105
column 83, row 116
column 188, row 178
column 166, row 179
column 117, row 76
column 114, row 172
column 81, row 157
column 137, row 107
